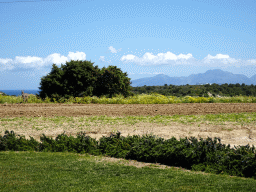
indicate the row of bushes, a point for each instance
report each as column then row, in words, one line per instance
column 204, row 155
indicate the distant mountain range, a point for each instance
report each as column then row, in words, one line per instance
column 211, row 76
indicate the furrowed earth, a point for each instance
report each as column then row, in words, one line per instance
column 233, row 133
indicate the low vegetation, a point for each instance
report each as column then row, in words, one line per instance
column 153, row 98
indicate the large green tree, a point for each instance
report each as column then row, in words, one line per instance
column 81, row 78
column 69, row 80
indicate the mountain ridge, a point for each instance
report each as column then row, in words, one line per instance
column 211, row 76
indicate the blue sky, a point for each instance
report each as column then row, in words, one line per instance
column 142, row 38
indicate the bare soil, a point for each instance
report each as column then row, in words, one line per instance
column 230, row 132
column 78, row 110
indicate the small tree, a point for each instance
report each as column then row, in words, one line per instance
column 112, row 81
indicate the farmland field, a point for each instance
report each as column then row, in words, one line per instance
column 42, row 118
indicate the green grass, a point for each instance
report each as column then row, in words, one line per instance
column 31, row 171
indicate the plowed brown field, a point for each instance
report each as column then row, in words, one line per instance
column 240, row 135
column 78, row 110
column 229, row 132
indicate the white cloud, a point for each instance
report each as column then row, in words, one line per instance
column 219, row 58
column 252, row 61
column 38, row 62
column 129, row 57
column 149, row 59
column 76, row 56
column 113, row 50
column 102, row 58
column 4, row 64
column 168, row 58
column 4, row 61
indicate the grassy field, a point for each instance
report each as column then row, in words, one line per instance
column 31, row 171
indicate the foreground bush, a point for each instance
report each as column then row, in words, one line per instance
column 204, row 155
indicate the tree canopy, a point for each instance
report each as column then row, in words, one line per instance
column 81, row 78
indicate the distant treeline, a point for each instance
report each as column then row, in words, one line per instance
column 228, row 90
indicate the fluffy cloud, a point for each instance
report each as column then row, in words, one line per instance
column 113, row 50
column 37, row 62
column 148, row 59
column 168, row 58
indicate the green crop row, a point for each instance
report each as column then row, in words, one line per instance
column 137, row 99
